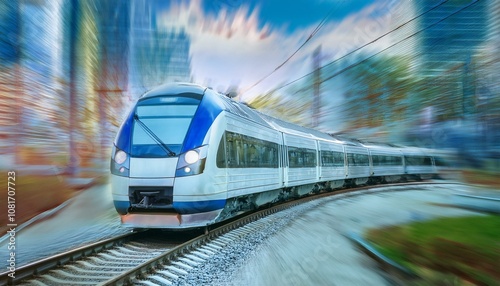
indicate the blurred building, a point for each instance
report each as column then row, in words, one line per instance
column 158, row 55
column 10, row 25
column 458, row 102
column 488, row 86
column 114, row 39
column 29, row 71
column 68, row 67
column 451, row 37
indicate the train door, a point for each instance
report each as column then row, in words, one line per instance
column 370, row 162
column 346, row 162
column 283, row 161
column 318, row 161
column 223, row 156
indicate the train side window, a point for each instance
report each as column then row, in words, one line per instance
column 418, row 161
column 350, row 159
column 248, row 152
column 301, row 157
column 309, row 158
column 397, row 161
column 339, row 159
column 293, row 157
column 427, row 161
column 326, row 158
column 381, row 160
column 331, row 159
column 221, row 153
column 363, row 160
column 357, row 159
column 409, row 161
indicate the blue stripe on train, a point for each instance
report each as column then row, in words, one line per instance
column 122, row 207
column 208, row 110
column 181, row 207
column 124, row 134
column 199, row 206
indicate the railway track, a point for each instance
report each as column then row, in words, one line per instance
column 91, row 264
column 144, row 258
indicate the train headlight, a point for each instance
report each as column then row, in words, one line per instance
column 191, row 157
column 192, row 162
column 120, row 157
column 120, row 163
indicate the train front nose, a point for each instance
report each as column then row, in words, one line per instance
column 159, row 198
column 153, row 167
column 151, row 186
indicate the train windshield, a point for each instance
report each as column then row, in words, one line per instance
column 161, row 124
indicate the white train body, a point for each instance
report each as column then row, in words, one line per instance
column 188, row 157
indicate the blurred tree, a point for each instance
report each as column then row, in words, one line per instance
column 270, row 103
column 292, row 108
column 378, row 90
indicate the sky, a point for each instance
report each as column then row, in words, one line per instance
column 238, row 43
column 292, row 15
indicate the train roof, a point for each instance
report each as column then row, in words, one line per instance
column 244, row 111
column 174, row 88
column 292, row 128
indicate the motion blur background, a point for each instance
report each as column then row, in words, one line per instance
column 421, row 73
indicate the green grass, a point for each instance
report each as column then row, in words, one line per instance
column 467, row 248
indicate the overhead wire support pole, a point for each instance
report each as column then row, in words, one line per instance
column 316, row 86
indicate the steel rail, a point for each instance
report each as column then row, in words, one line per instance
column 150, row 266
column 46, row 264
column 40, row 267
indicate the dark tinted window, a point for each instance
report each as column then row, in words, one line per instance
column 418, row 161
column 357, row 159
column 382, row 160
column 301, row 157
column 332, row 159
column 241, row 151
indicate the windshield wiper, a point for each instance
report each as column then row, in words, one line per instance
column 154, row 137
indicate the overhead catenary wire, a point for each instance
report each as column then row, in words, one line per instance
column 313, row 33
column 378, row 38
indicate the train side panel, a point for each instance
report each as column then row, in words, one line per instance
column 386, row 161
column 211, row 185
column 357, row 161
column 331, row 161
column 252, row 157
column 302, row 160
column 418, row 163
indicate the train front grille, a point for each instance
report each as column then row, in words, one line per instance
column 147, row 199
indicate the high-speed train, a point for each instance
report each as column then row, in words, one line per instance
column 187, row 156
